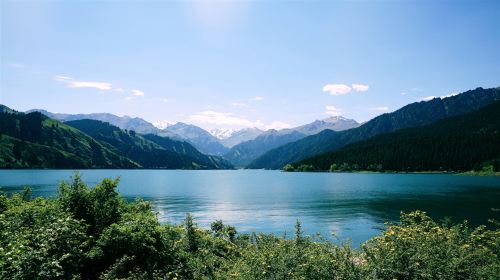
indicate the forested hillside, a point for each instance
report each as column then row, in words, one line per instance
column 462, row 143
column 177, row 155
column 35, row 141
column 412, row 115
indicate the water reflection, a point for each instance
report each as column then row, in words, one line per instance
column 349, row 205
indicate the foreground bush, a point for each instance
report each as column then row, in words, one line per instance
column 92, row 233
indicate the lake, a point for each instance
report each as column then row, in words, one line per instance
column 348, row 205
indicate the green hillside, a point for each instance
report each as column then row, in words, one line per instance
column 176, row 155
column 36, row 141
column 187, row 150
column 462, row 143
column 412, row 115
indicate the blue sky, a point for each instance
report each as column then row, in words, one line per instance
column 239, row 64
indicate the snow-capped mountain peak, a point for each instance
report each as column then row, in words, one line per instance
column 222, row 133
column 162, row 124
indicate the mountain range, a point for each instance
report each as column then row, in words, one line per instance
column 218, row 142
column 412, row 115
column 461, row 143
column 244, row 153
column 33, row 140
column 41, row 139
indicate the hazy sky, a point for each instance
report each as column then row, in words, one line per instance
column 238, row 64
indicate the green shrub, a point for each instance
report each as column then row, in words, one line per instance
column 92, row 233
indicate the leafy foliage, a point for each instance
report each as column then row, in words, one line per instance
column 462, row 143
column 92, row 233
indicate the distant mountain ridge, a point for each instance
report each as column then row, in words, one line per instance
column 148, row 151
column 415, row 114
column 33, row 140
column 460, row 143
column 240, row 136
column 244, row 153
column 218, row 142
column 200, row 138
column 137, row 124
column 335, row 123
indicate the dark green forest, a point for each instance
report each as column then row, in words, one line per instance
column 92, row 233
column 412, row 115
column 35, row 141
column 149, row 151
column 462, row 143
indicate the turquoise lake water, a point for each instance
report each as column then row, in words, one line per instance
column 348, row 205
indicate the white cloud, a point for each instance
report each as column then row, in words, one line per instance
column 382, row 108
column 333, row 111
column 61, row 78
column 258, row 98
column 428, row 98
column 165, row 100
column 239, row 104
column 137, row 92
column 449, row 95
column 337, row 89
column 404, row 93
column 128, row 98
column 341, row 89
column 231, row 119
column 278, row 125
column 360, row 87
column 220, row 118
column 72, row 83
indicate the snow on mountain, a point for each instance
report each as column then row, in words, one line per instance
column 222, row 133
column 162, row 124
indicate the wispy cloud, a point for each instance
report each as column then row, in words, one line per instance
column 341, row 89
column 333, row 111
column 128, row 98
column 449, row 95
column 381, row 109
column 231, row 119
column 403, row 93
column 73, row 83
column 428, row 98
column 221, row 118
column 258, row 98
column 337, row 89
column 278, row 125
column 239, row 104
column 137, row 92
column 360, row 87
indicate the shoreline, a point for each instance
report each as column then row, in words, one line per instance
column 466, row 173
